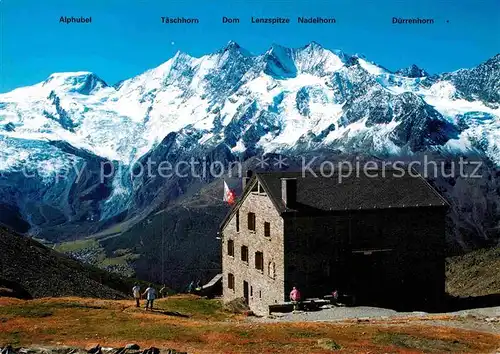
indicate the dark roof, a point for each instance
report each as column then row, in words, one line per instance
column 317, row 193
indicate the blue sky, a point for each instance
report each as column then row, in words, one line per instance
column 127, row 37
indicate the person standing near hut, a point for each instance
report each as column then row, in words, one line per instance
column 190, row 287
column 150, row 294
column 163, row 291
column 136, row 291
column 295, row 298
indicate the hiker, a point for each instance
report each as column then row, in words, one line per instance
column 136, row 290
column 335, row 295
column 150, row 294
column 163, row 291
column 295, row 298
column 190, row 287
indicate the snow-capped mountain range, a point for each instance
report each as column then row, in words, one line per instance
column 284, row 100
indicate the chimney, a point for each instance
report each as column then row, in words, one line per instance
column 246, row 179
column 289, row 191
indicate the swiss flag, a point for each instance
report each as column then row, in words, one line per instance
column 229, row 195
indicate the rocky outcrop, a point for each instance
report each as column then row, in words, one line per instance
column 481, row 82
column 128, row 349
column 131, row 349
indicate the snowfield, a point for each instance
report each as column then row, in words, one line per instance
column 283, row 99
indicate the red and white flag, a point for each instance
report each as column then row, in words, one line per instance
column 229, row 195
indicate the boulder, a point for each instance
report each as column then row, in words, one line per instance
column 7, row 350
column 95, row 350
column 237, row 306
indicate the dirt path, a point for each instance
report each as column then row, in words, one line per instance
column 481, row 320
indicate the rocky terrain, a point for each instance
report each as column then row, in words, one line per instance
column 127, row 349
column 474, row 273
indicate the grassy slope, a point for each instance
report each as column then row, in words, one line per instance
column 475, row 273
column 43, row 272
column 208, row 329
